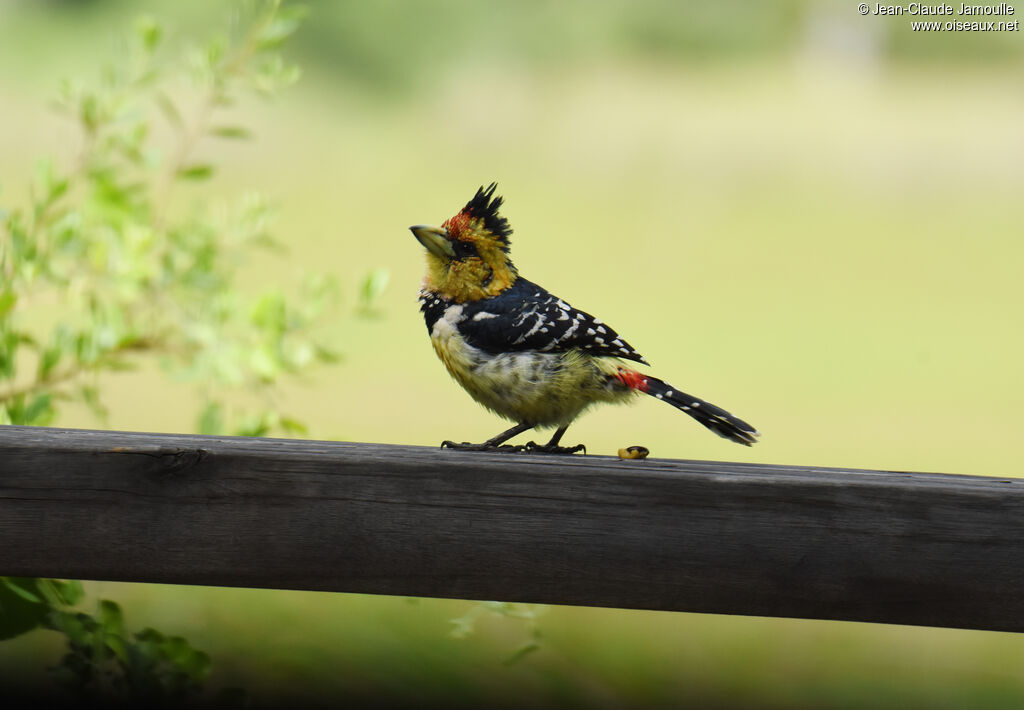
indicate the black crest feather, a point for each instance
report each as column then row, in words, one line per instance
column 485, row 205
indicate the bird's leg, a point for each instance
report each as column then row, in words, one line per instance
column 494, row 443
column 552, row 446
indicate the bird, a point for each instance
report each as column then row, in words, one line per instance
column 522, row 352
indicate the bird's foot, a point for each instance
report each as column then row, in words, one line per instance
column 534, row 448
column 466, row 446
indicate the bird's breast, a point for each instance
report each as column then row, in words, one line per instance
column 457, row 355
column 546, row 388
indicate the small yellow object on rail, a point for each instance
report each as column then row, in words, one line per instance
column 633, row 452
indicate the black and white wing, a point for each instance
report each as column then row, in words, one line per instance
column 527, row 317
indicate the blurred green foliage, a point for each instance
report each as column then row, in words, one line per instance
column 442, row 35
column 101, row 271
column 465, row 625
column 103, row 663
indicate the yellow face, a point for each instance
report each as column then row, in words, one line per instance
column 465, row 262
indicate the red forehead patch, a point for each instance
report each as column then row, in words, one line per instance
column 458, row 226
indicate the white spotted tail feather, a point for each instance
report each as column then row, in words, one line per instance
column 711, row 416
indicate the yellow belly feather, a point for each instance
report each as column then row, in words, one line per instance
column 545, row 389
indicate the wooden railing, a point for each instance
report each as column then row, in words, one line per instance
column 825, row 543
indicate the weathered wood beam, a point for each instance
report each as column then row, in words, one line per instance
column 795, row 541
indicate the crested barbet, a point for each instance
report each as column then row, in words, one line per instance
column 521, row 352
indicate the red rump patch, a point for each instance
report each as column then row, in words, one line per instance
column 632, row 379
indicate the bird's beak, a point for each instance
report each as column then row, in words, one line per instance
column 435, row 239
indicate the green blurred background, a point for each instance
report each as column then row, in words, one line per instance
column 810, row 217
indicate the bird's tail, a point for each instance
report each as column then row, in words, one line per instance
column 714, row 418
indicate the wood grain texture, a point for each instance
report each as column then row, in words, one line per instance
column 905, row 548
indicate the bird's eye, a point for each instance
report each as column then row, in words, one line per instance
column 463, row 250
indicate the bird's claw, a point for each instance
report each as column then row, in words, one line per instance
column 531, row 447
column 467, row 446
column 534, row 448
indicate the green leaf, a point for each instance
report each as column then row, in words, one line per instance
column 20, row 610
column 255, row 425
column 111, row 617
column 375, row 283
column 51, row 187
column 211, row 419
column 264, row 364
column 71, row 590
column 270, row 312
column 175, row 649
column 281, row 27
column 195, row 664
column 49, row 360
column 198, row 666
column 146, row 78
column 298, row 354
column 149, row 635
column 116, row 645
column 215, row 50
column 273, row 74
column 235, row 132
column 521, row 652
column 60, row 592
column 91, row 397
column 7, row 300
column 85, row 348
column 40, row 411
column 326, row 354
column 78, row 627
column 463, row 626
column 89, row 112
column 49, row 592
column 293, row 426
column 169, row 110
column 10, row 342
column 120, row 365
column 19, row 586
column 149, row 31
column 197, row 171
